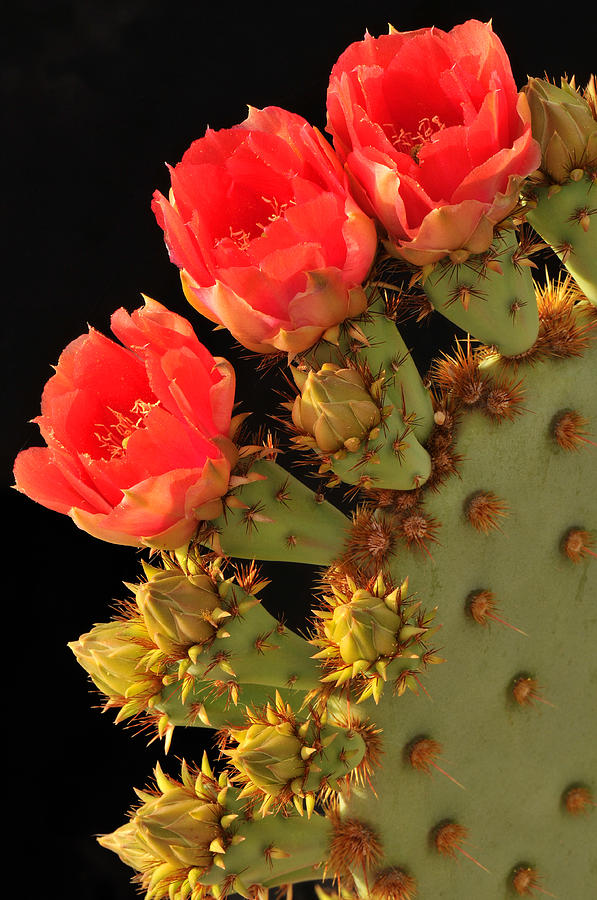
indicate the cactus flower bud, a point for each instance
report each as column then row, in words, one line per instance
column 269, row 755
column 175, row 835
column 178, row 828
column 363, row 631
column 282, row 759
column 334, row 407
column 564, row 126
column 126, row 844
column 179, row 611
column 113, row 653
column 365, row 628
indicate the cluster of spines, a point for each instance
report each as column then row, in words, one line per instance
column 356, row 849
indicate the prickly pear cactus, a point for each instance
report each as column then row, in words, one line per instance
column 432, row 732
column 435, row 737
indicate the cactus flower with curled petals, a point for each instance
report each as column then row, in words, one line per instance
column 138, row 436
column 334, row 407
column 269, row 242
column 434, row 135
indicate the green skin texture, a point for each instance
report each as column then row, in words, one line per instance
column 318, row 530
column 221, row 711
column 301, row 838
column 489, row 318
column 395, row 470
column 551, row 218
column 287, row 661
column 514, row 762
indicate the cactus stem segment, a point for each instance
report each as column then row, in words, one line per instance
column 477, row 295
column 564, row 220
column 261, row 515
column 448, row 838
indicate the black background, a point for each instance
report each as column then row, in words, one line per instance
column 96, row 97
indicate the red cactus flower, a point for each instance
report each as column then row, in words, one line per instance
column 270, row 243
column 138, row 436
column 434, row 135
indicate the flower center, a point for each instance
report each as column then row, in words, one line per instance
column 274, row 210
column 112, row 438
column 411, row 141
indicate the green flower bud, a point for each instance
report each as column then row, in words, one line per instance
column 564, row 125
column 126, row 844
column 367, row 634
column 365, row 628
column 178, row 828
column 179, row 611
column 113, row 654
column 334, row 407
column 176, row 834
column 269, row 756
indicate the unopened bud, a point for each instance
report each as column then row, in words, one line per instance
column 364, row 629
column 178, row 610
column 268, row 755
column 126, row 844
column 113, row 654
column 564, row 125
column 174, row 835
column 334, row 407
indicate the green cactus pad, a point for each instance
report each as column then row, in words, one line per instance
column 256, row 648
column 515, row 760
column 396, row 457
column 496, row 307
column 206, row 706
column 279, row 518
column 558, row 218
